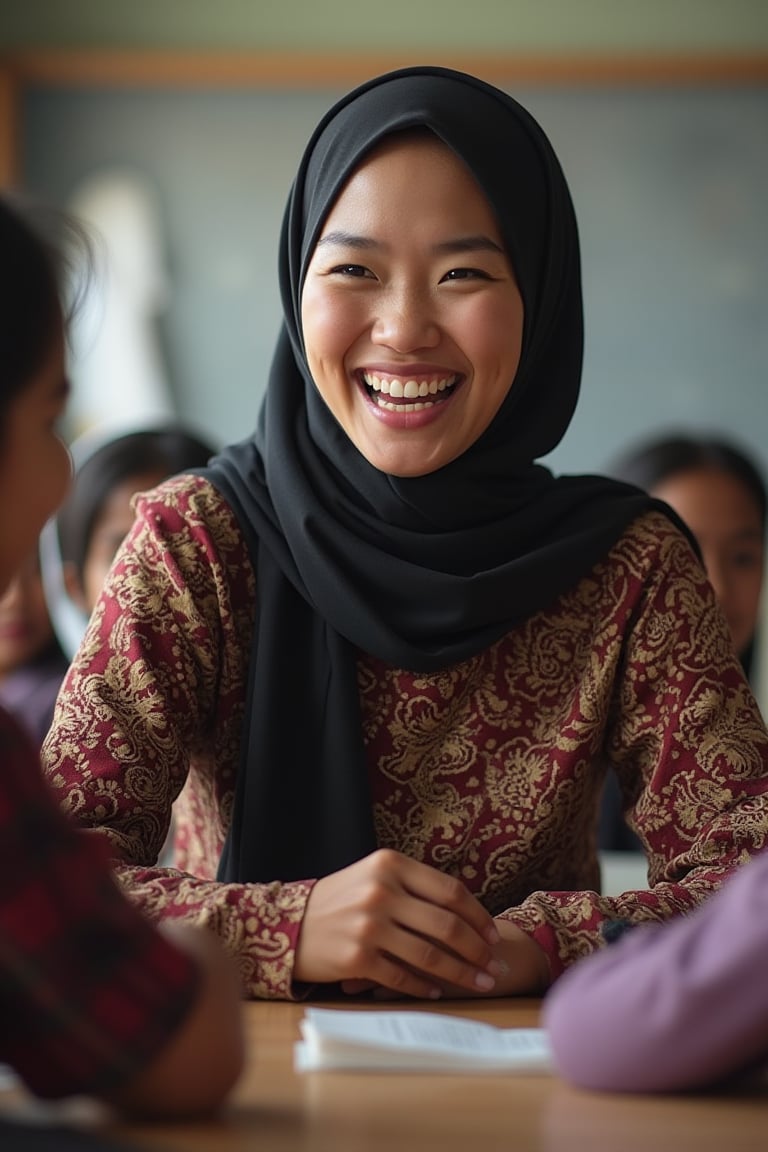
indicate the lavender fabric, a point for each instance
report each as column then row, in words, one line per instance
column 671, row 1006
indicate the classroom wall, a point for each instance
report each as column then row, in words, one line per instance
column 339, row 25
column 670, row 189
column 669, row 182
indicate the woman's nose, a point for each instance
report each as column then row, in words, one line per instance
column 405, row 322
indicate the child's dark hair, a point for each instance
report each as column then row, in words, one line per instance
column 31, row 314
column 164, row 449
column 656, row 460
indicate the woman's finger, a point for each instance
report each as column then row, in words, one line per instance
column 439, row 964
column 440, row 890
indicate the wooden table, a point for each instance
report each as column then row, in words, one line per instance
column 274, row 1109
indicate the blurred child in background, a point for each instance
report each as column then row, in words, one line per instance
column 682, row 1005
column 97, row 514
column 719, row 492
column 32, row 664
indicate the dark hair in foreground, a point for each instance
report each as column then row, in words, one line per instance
column 31, row 315
column 165, row 449
column 656, row 460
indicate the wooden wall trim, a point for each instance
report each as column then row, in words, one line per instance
column 274, row 70
column 8, row 128
column 296, row 70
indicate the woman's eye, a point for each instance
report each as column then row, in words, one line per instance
column 357, row 270
column 466, row 274
column 746, row 559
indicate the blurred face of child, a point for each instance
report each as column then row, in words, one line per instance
column 25, row 626
column 110, row 527
column 411, row 314
column 725, row 519
column 34, row 463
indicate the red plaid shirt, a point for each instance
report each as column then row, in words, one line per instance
column 89, row 992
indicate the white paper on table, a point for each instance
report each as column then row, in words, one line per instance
column 416, row 1042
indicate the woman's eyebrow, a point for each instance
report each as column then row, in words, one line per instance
column 460, row 244
column 347, row 240
column 469, row 244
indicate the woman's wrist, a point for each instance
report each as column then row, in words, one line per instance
column 525, row 965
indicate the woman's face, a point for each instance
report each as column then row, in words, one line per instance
column 34, row 463
column 725, row 519
column 411, row 315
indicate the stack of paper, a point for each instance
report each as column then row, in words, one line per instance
column 416, row 1042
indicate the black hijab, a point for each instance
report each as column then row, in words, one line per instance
column 421, row 572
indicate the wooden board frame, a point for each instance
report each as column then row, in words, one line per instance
column 280, row 71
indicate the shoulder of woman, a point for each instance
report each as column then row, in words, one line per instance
column 191, row 500
column 657, row 539
column 187, row 518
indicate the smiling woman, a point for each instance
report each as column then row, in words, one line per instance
column 386, row 654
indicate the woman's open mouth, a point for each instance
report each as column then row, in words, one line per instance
column 401, row 394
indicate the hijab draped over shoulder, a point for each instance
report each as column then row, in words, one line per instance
column 421, row 572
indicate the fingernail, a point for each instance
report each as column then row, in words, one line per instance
column 498, row 968
column 492, row 935
column 484, row 981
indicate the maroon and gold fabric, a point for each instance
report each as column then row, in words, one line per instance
column 490, row 769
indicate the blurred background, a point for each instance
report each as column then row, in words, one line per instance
column 174, row 128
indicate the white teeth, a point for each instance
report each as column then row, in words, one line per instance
column 402, row 407
column 408, row 390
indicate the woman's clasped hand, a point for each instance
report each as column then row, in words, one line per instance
column 390, row 922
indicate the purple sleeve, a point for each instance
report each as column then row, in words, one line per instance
column 671, row 1006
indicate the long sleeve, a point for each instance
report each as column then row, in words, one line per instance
column 680, row 725
column 671, row 1006
column 153, row 701
column 490, row 770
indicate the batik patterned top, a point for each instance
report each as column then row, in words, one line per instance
column 89, row 992
column 490, row 770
